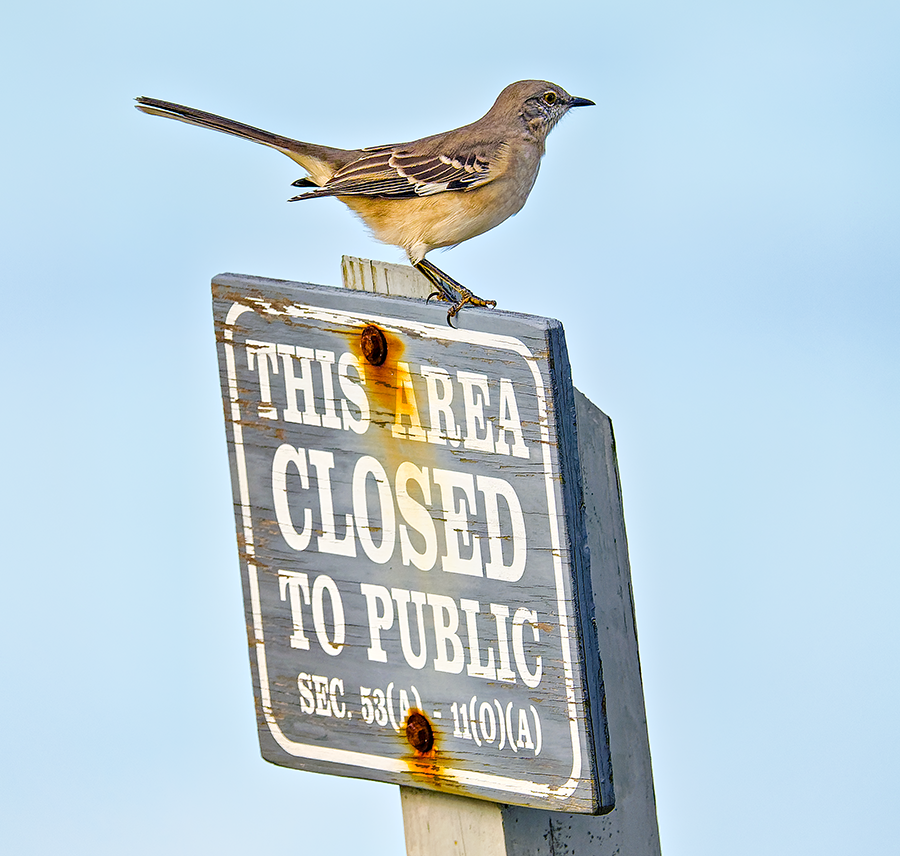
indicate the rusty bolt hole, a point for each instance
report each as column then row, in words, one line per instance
column 374, row 345
column 419, row 733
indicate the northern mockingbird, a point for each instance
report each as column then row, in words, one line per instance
column 429, row 193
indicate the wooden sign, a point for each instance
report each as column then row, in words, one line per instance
column 409, row 518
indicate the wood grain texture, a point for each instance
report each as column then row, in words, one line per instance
column 384, row 278
column 436, row 824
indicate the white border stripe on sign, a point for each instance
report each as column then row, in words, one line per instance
column 428, row 331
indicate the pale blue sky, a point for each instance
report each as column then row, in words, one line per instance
column 720, row 237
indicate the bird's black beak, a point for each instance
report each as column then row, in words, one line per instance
column 581, row 102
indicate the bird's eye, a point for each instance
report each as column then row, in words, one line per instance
column 550, row 98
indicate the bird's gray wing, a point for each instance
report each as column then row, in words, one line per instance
column 406, row 171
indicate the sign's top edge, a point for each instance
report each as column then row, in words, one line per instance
column 367, row 298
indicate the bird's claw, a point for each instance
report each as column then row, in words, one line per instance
column 471, row 300
column 448, row 289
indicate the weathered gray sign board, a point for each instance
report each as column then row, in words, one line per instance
column 409, row 518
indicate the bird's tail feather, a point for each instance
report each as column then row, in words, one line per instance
column 320, row 161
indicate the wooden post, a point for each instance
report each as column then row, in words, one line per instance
column 438, row 824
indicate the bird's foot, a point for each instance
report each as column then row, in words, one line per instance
column 467, row 298
column 441, row 292
column 451, row 291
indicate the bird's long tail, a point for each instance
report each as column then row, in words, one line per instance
column 320, row 161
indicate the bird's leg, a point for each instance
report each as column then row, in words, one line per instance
column 447, row 288
column 441, row 290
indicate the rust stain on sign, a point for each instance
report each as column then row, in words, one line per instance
column 374, row 345
column 419, row 732
column 380, row 375
column 427, row 764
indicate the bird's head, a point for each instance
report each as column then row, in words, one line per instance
column 538, row 103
